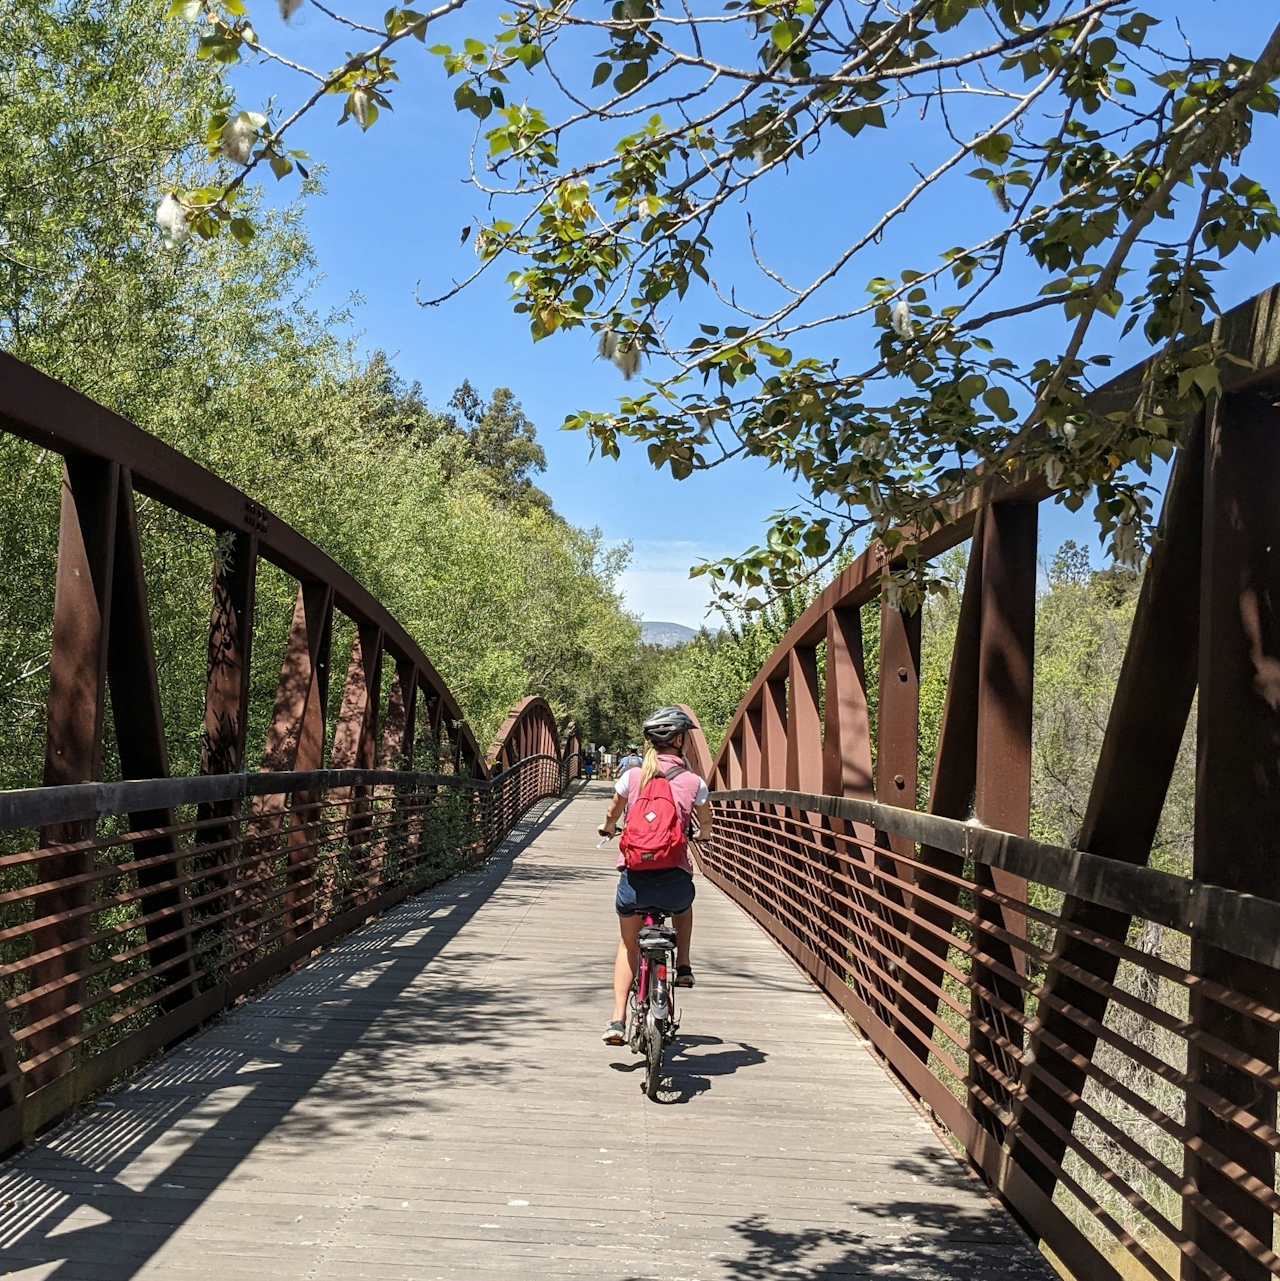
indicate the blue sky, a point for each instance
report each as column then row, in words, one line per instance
column 391, row 220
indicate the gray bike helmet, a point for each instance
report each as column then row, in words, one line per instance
column 665, row 724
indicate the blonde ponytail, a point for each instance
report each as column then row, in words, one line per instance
column 652, row 766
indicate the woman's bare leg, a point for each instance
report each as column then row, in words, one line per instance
column 684, row 934
column 624, row 964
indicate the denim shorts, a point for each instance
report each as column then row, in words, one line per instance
column 670, row 890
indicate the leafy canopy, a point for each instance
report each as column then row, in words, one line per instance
column 1115, row 155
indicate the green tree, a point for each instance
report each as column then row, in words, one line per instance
column 503, row 443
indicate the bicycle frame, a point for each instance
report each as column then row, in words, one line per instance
column 653, row 1014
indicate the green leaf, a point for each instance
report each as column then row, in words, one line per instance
column 996, row 399
column 603, row 72
column 629, row 77
column 242, row 230
column 995, row 149
column 856, row 119
column 1135, row 30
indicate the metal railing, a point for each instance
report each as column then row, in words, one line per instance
column 1102, row 1040
column 947, row 975
column 184, row 894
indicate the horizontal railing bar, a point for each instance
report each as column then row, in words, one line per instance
column 1229, row 1112
column 1178, row 1026
column 80, row 802
column 1242, row 924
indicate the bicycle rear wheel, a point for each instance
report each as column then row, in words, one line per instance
column 653, row 1059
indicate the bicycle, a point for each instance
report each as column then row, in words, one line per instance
column 652, row 1022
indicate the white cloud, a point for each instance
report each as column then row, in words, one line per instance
column 656, row 585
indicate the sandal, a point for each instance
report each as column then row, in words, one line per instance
column 615, row 1033
column 684, row 976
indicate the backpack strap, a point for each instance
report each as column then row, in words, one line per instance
column 674, row 772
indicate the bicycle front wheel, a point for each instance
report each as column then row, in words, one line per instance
column 653, row 1059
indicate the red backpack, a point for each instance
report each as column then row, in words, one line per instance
column 653, row 835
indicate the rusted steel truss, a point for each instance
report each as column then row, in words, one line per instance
column 113, row 945
column 989, row 971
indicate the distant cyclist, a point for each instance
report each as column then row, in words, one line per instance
column 630, row 760
column 669, row 889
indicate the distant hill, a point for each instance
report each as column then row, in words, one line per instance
column 667, row 634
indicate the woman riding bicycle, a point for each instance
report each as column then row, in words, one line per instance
column 670, row 889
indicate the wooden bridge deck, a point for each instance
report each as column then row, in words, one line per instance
column 430, row 1100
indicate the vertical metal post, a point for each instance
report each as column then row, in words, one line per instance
column 226, row 704
column 295, row 740
column 1139, row 750
column 733, row 778
column 397, row 732
column 773, row 734
column 753, row 774
column 1002, row 786
column 950, row 795
column 846, row 768
column 139, row 724
column 355, row 733
column 804, row 766
column 226, row 699
column 897, row 765
column 846, row 743
column 1237, row 783
column 73, row 744
column 355, row 739
column 804, row 723
column 898, row 718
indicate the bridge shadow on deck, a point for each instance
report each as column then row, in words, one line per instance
column 102, row 1194
column 912, row 1240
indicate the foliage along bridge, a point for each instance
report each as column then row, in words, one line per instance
column 1096, row 1039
